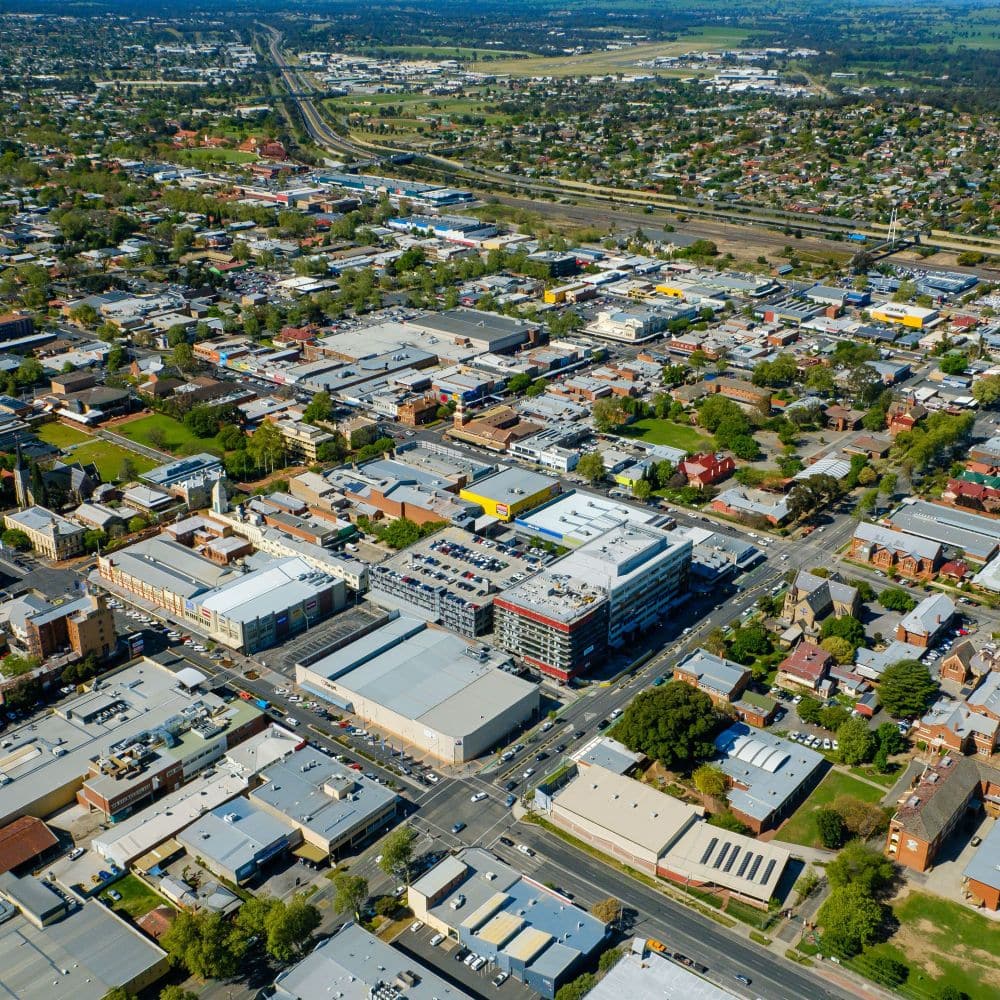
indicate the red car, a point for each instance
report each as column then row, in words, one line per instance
column 355, row 767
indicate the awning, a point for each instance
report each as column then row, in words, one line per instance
column 310, row 852
column 158, row 855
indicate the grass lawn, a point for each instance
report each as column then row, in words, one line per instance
column 137, row 898
column 656, row 431
column 108, row 457
column 61, row 435
column 887, row 780
column 801, row 828
column 175, row 438
column 944, row 944
column 220, row 155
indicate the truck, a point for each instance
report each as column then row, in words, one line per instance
column 262, row 704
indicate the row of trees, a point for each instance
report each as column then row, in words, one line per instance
column 210, row 946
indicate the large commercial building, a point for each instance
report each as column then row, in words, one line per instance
column 658, row 834
column 486, row 331
column 237, row 840
column 563, row 620
column 249, row 611
column 426, row 687
column 510, row 492
column 332, row 806
column 645, row 974
column 975, row 536
column 355, row 965
column 577, row 517
column 142, row 732
column 269, row 604
column 533, row 933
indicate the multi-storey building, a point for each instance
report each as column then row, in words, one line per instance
column 623, row 582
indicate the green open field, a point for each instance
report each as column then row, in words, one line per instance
column 137, row 898
column 801, row 828
column 945, row 944
column 109, row 458
column 668, row 432
column 200, row 156
column 166, row 434
column 61, row 435
column 619, row 60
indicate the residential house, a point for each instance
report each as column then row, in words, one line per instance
column 752, row 505
column 965, row 663
column 890, row 550
column 842, row 418
column 904, row 415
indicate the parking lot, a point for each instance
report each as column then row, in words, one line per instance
column 318, row 638
column 447, row 960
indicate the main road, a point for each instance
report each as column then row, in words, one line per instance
column 737, row 220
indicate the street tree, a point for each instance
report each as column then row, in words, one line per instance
column 397, row 853
column 350, row 893
column 850, row 919
column 608, row 910
column 591, row 466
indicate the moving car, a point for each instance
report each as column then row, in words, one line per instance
column 458, row 827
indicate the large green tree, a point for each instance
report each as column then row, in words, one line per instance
column 591, row 466
column 907, row 689
column 205, row 944
column 674, row 724
column 860, row 865
column 850, row 918
column 857, row 742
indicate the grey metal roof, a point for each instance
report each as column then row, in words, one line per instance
column 899, row 541
column 425, row 673
column 930, row 615
column 771, row 768
column 975, row 535
column 298, row 794
column 97, row 949
column 511, row 484
column 714, row 672
column 984, row 865
column 234, row 834
column 352, row 963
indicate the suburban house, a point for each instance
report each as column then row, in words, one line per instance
column 890, row 550
column 812, row 598
column 842, row 418
column 904, row 415
column 807, row 666
column 927, row 621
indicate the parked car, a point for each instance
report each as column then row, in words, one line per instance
column 436, row 940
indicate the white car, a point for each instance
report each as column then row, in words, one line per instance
column 436, row 940
column 290, row 721
column 528, row 773
column 524, row 849
column 478, row 797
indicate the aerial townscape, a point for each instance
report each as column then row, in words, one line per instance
column 499, row 500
